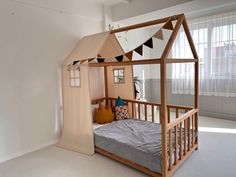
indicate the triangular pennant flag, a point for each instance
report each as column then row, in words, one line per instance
column 119, row 58
column 149, row 43
column 82, row 61
column 129, row 55
column 139, row 50
column 159, row 34
column 100, row 60
column 168, row 25
column 74, row 62
column 91, row 59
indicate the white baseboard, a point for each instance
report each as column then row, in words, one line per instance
column 27, row 150
column 217, row 115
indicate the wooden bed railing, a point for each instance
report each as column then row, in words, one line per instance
column 137, row 109
column 182, row 141
column 144, row 110
column 182, row 126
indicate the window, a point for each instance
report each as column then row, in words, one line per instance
column 223, row 50
column 75, row 77
column 119, row 76
column 215, row 41
column 215, row 45
column 181, row 49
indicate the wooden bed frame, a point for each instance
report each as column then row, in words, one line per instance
column 183, row 147
column 186, row 117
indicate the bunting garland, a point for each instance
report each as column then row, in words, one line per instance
column 75, row 62
column 82, row 61
column 149, row 43
column 159, row 34
column 89, row 60
column 129, row 55
column 139, row 50
column 119, row 58
column 168, row 25
column 100, row 60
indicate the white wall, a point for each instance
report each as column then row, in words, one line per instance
column 33, row 43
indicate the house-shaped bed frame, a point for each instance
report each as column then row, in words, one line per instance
column 77, row 131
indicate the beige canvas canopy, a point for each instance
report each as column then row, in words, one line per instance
column 103, row 45
column 77, row 134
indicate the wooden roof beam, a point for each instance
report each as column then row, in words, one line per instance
column 143, row 62
column 145, row 24
column 125, row 63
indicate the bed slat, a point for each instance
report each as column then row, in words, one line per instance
column 168, row 114
column 138, row 110
column 153, row 114
column 170, row 149
column 177, row 113
column 185, row 137
column 176, row 145
column 160, row 119
column 133, row 110
column 189, row 133
column 193, row 130
column 181, row 142
column 145, row 110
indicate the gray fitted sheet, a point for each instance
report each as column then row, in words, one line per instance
column 135, row 140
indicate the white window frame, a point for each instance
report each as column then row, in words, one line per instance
column 119, row 76
column 74, row 77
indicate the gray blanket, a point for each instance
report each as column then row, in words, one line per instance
column 135, row 140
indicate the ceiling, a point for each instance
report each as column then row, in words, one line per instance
column 191, row 9
column 87, row 8
column 139, row 7
column 119, row 9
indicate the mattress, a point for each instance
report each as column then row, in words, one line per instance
column 96, row 125
column 135, row 140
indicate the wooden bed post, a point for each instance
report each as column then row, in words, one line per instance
column 196, row 74
column 163, row 118
column 106, row 84
column 196, row 98
column 164, row 96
